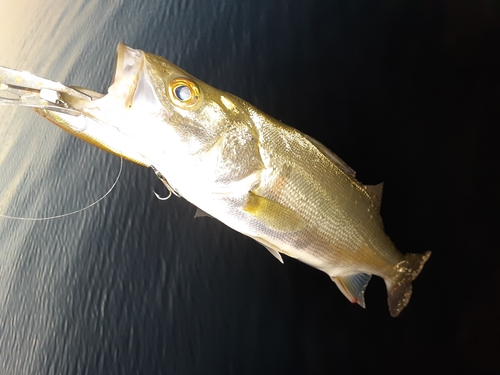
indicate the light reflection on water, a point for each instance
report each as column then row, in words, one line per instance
column 123, row 287
column 44, row 172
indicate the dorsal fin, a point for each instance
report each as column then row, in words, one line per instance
column 333, row 157
column 375, row 193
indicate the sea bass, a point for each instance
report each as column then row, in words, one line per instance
column 255, row 174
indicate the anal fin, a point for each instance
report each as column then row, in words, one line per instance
column 353, row 287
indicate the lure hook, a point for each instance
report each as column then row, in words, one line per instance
column 170, row 189
column 163, row 198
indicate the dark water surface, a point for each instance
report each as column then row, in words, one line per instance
column 406, row 93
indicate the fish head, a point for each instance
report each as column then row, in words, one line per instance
column 195, row 112
column 183, row 124
column 156, row 114
column 152, row 108
column 153, row 101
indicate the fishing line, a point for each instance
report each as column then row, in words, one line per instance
column 73, row 212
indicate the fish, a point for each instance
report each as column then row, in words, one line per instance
column 262, row 178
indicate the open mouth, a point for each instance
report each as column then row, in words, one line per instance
column 129, row 63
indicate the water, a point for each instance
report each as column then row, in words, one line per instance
column 137, row 286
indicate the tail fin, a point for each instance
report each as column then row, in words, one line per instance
column 399, row 282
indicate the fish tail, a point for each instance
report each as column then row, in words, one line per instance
column 399, row 281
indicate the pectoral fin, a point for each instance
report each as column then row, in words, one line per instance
column 353, row 287
column 273, row 214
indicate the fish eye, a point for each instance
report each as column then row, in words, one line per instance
column 183, row 92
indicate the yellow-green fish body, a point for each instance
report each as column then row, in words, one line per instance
column 258, row 176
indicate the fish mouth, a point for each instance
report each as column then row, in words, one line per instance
column 101, row 128
column 129, row 63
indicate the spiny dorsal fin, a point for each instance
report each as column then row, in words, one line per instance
column 332, row 156
column 375, row 193
column 353, row 287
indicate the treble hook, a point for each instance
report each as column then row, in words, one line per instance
column 167, row 185
column 163, row 198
